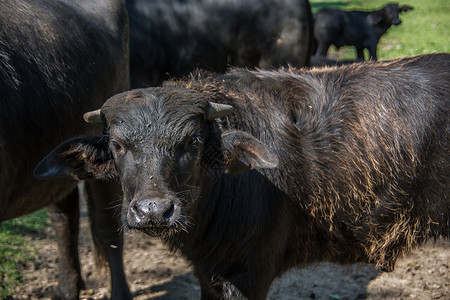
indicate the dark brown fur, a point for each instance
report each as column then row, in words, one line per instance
column 344, row 164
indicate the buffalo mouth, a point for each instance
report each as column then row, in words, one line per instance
column 159, row 231
column 155, row 227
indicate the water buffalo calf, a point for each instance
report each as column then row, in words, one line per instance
column 57, row 60
column 254, row 172
column 354, row 28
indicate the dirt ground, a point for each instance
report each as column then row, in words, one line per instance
column 155, row 273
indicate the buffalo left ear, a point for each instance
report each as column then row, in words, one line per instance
column 405, row 8
column 244, row 152
column 79, row 158
column 375, row 17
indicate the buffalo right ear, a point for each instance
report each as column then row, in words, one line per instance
column 79, row 158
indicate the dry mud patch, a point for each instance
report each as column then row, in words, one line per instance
column 155, row 273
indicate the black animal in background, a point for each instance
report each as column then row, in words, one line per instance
column 354, row 28
column 57, row 60
column 171, row 38
column 252, row 173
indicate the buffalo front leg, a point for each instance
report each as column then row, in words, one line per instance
column 249, row 283
column 215, row 287
column 373, row 52
column 104, row 205
column 360, row 53
column 64, row 216
column 322, row 48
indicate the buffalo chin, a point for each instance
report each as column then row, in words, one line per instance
column 158, row 231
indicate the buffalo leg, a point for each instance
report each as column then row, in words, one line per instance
column 322, row 48
column 217, row 288
column 64, row 216
column 360, row 53
column 373, row 52
column 104, row 203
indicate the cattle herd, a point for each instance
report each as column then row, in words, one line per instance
column 205, row 118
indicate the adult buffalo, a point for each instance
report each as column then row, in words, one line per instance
column 172, row 38
column 346, row 165
column 361, row 29
column 58, row 59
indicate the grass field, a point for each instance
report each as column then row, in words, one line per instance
column 14, row 251
column 425, row 29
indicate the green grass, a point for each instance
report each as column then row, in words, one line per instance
column 425, row 29
column 14, row 251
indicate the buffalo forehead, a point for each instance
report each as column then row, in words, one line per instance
column 158, row 101
column 167, row 111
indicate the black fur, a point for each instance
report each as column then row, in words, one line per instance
column 57, row 60
column 172, row 38
column 348, row 164
column 361, row 29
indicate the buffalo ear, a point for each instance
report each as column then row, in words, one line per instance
column 405, row 8
column 244, row 152
column 375, row 18
column 79, row 158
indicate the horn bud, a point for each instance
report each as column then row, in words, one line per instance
column 217, row 110
column 93, row 117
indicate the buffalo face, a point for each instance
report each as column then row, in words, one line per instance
column 165, row 146
column 389, row 15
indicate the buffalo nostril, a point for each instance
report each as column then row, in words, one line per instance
column 137, row 210
column 169, row 212
column 135, row 216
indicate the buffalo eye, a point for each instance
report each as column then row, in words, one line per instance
column 116, row 146
column 195, row 142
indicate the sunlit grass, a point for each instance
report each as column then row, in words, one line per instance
column 14, row 251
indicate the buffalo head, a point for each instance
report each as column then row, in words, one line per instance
column 388, row 15
column 166, row 148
